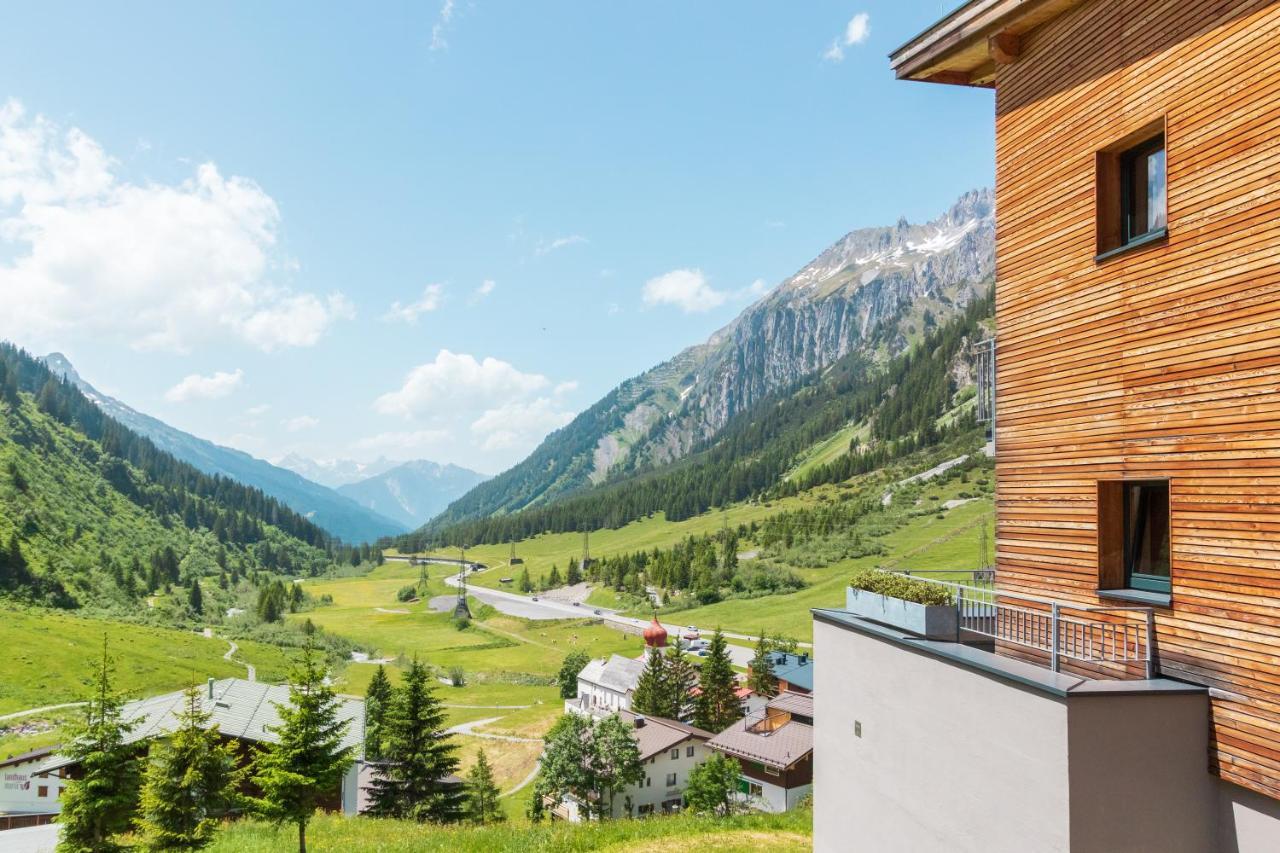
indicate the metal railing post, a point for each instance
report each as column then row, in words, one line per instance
column 1152, row 668
column 1054, row 628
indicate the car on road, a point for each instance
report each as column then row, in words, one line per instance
column 535, row 598
column 577, row 604
column 596, row 612
column 694, row 645
column 702, row 653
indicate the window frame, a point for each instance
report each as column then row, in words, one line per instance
column 673, row 780
column 1116, row 554
column 1113, row 190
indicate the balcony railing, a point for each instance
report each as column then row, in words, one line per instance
column 1112, row 640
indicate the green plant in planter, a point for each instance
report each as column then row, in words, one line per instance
column 903, row 587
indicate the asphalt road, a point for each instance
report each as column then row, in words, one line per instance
column 525, row 607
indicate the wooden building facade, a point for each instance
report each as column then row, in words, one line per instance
column 1138, row 317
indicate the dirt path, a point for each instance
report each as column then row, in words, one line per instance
column 469, row 729
column 528, row 780
column 251, row 670
column 27, row 713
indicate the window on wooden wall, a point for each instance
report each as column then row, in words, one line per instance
column 1132, row 191
column 1133, row 536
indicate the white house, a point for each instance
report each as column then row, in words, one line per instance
column 669, row 751
column 606, row 686
column 28, row 795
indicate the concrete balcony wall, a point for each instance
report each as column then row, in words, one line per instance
column 961, row 750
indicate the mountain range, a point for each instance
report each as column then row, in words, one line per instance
column 338, row 514
column 413, row 492
column 867, row 299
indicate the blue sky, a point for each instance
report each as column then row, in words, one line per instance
column 273, row 224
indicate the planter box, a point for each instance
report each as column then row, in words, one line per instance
column 934, row 622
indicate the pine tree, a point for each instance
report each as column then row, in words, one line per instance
column 101, row 802
column 574, row 663
column 554, row 581
column 377, row 700
column 195, row 598
column 650, row 696
column 717, row 705
column 482, row 794
column 417, row 754
column 525, row 583
column 761, row 679
column 309, row 759
column 573, row 575
column 679, row 679
column 190, row 785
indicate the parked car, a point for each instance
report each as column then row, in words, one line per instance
column 702, row 653
column 577, row 604
column 596, row 612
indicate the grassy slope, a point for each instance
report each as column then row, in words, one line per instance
column 788, row 832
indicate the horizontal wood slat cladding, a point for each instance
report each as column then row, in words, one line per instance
column 1163, row 362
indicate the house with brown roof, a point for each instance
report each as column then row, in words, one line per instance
column 29, row 795
column 774, row 749
column 669, row 750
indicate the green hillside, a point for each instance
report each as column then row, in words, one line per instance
column 93, row 515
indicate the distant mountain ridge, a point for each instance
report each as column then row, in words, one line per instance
column 414, row 492
column 337, row 514
column 335, row 472
column 872, row 294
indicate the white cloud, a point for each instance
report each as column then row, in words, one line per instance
column 159, row 266
column 518, row 424
column 257, row 411
column 559, row 243
column 486, row 287
column 755, row 290
column 197, row 387
column 484, row 413
column 441, row 26
column 431, row 299
column 687, row 289
column 857, row 31
column 458, row 380
column 300, row 423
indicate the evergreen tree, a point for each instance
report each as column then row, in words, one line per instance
column 377, row 700
column 716, row 707
column 525, row 583
column 761, row 679
column 574, row 663
column 554, row 581
column 100, row 803
column 190, row 783
column 482, row 794
column 650, row 696
column 309, row 760
column 680, row 677
column 712, row 784
column 566, row 763
column 195, row 598
column 417, row 754
column 573, row 575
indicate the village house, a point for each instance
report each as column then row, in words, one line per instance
column 1114, row 683
column 28, row 795
column 607, row 685
column 244, row 712
column 669, row 750
column 774, row 750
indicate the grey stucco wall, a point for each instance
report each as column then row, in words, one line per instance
column 954, row 759
column 949, row 759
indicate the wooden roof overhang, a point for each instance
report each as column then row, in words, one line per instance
column 966, row 47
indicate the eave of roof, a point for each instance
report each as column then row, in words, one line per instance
column 958, row 49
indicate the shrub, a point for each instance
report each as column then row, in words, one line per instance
column 901, row 586
column 407, row 593
column 456, row 676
